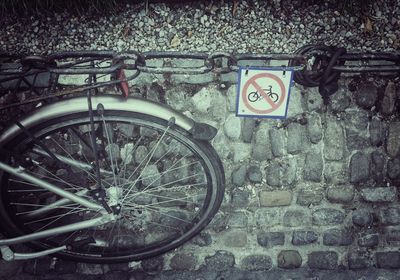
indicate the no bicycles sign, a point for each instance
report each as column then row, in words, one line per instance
column 263, row 92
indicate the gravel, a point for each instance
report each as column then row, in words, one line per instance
column 253, row 26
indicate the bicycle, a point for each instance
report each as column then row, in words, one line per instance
column 254, row 96
column 100, row 177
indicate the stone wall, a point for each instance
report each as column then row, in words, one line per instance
column 317, row 190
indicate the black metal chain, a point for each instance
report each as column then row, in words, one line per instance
column 314, row 65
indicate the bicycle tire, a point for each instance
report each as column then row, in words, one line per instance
column 56, row 129
column 253, row 96
column 274, row 97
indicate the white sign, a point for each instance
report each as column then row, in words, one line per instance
column 263, row 92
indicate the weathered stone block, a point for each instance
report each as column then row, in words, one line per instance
column 356, row 119
column 254, row 174
column 338, row 237
column 270, row 239
column 275, row 198
column 65, row 267
column 356, row 140
column 340, row 194
column 220, row 261
column 381, row 194
column 119, row 266
column 277, row 139
column 366, row 95
column 310, row 195
column 313, row 167
column 359, row 167
column 217, row 111
column 153, row 265
column 256, row 263
column 336, row 173
column 238, row 220
column 262, row 147
column 273, row 174
column 304, row 237
column 323, row 260
column 393, row 168
column 387, row 106
column 203, row 239
column 313, row 99
column 341, row 100
column 392, row 234
column 376, row 132
column 289, row 259
column 240, row 198
column 280, row 173
column 295, row 218
column 267, row 217
column 295, row 138
column 334, row 140
column 202, row 100
column 241, row 151
column 377, row 166
column 393, row 139
column 235, row 239
column 219, row 222
column 390, row 216
column 314, row 128
column 248, row 129
column 220, row 145
column 359, row 260
column 362, row 217
column 327, row 216
column 185, row 261
column 233, row 127
column 388, row 260
column 295, row 105
column 92, row 269
column 231, row 97
column 368, row 240
column 239, row 176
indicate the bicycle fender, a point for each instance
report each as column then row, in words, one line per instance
column 74, row 105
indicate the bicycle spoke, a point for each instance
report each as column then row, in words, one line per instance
column 34, row 204
column 54, row 177
column 160, row 177
column 110, row 151
column 145, row 189
column 133, row 150
column 73, row 211
column 150, row 155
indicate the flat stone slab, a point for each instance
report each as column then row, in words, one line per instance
column 275, row 198
column 382, row 194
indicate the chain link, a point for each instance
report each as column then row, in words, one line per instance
column 314, row 65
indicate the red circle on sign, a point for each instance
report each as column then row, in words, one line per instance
column 252, row 81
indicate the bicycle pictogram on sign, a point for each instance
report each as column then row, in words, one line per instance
column 263, row 92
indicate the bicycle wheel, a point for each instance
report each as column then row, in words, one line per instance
column 253, row 96
column 274, row 97
column 169, row 185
